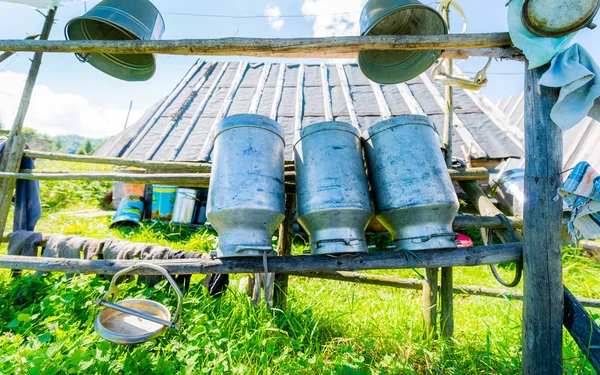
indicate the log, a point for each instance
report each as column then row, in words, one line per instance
column 6, row 55
column 415, row 284
column 473, row 256
column 184, row 179
column 542, row 282
column 582, row 328
column 462, row 221
column 290, row 47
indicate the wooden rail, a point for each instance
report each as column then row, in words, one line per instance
column 472, row 256
column 466, row 44
column 187, row 179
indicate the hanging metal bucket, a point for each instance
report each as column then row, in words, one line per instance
column 412, row 192
column 510, row 191
column 246, row 195
column 398, row 17
column 119, row 20
column 129, row 212
column 334, row 204
column 135, row 321
column 552, row 18
column 185, row 205
column 163, row 202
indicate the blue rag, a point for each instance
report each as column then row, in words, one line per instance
column 538, row 50
column 28, row 207
column 576, row 73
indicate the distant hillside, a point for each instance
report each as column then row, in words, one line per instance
column 68, row 144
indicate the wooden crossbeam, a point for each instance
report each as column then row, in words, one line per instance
column 462, row 45
column 472, row 256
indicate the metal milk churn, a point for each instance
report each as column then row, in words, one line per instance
column 246, row 198
column 334, row 204
column 412, row 192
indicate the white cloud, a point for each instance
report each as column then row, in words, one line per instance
column 336, row 17
column 274, row 13
column 58, row 114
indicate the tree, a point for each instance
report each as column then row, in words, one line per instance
column 58, row 144
column 87, row 147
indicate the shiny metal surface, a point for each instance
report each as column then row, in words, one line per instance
column 185, row 204
column 510, row 191
column 119, row 20
column 551, row 18
column 332, row 191
column 120, row 326
column 412, row 192
column 398, row 17
column 246, row 201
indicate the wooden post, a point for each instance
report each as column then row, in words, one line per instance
column 542, row 283
column 13, row 151
column 583, row 329
column 284, row 248
column 430, row 291
column 446, row 294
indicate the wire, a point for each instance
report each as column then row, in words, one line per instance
column 258, row 16
column 499, row 73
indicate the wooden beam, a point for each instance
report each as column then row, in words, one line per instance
column 430, row 297
column 284, row 248
column 137, row 163
column 582, row 328
column 415, row 284
column 309, row 47
column 6, row 55
column 197, row 179
column 542, row 277
column 472, row 256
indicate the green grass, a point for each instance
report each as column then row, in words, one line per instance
column 330, row 327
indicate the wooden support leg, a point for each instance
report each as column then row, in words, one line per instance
column 13, row 153
column 284, row 247
column 430, row 296
column 447, row 293
column 542, row 283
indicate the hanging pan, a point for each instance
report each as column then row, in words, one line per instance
column 552, row 18
column 135, row 321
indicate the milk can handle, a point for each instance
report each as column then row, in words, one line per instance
column 112, row 289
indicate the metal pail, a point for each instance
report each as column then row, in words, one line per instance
column 129, row 212
column 136, row 320
column 332, row 191
column 121, row 189
column 246, row 200
column 163, row 202
column 398, row 17
column 510, row 191
column 185, row 204
column 412, row 192
column 119, row 20
column 552, row 18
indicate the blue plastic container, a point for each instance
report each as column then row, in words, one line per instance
column 163, row 202
column 129, row 212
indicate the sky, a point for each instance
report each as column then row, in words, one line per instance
column 74, row 98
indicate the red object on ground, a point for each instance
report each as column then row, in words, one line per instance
column 463, row 241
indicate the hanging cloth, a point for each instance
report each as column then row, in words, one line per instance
column 577, row 75
column 538, row 50
column 581, row 191
column 28, row 207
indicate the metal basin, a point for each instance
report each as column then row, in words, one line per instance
column 246, row 197
column 334, row 205
column 552, row 18
column 412, row 192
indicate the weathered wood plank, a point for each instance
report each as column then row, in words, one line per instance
column 473, row 256
column 284, row 248
column 542, row 281
column 430, row 297
column 310, row 47
column 582, row 328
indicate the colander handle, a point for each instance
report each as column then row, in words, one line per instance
column 113, row 290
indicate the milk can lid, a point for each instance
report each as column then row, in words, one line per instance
column 327, row 126
column 396, row 121
column 249, row 121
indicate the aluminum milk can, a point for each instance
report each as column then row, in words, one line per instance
column 412, row 192
column 332, row 191
column 185, row 205
column 246, row 198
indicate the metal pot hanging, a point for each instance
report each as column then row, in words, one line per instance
column 398, row 17
column 332, row 191
column 119, row 20
column 552, row 18
column 412, row 192
column 135, row 321
column 246, row 201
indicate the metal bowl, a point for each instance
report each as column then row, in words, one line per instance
column 122, row 328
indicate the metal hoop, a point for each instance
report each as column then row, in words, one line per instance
column 519, row 264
